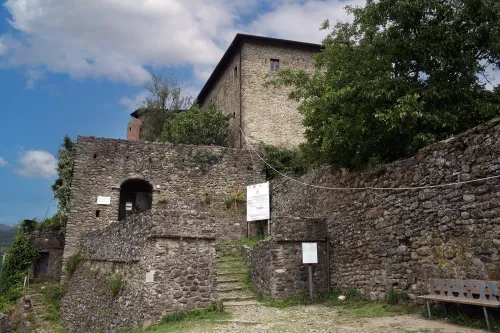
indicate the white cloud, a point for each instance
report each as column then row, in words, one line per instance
column 116, row 39
column 135, row 102
column 37, row 164
column 3, row 162
column 33, row 76
column 301, row 20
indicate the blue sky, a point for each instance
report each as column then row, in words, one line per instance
column 72, row 67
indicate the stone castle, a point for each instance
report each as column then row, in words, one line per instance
column 236, row 87
column 152, row 213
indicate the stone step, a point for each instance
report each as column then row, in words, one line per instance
column 224, row 290
column 241, row 303
column 231, row 273
column 228, row 285
column 222, row 281
column 235, row 294
column 237, row 299
column 229, row 259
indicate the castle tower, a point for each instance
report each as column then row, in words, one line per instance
column 134, row 127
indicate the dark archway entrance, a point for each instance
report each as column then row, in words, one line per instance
column 136, row 195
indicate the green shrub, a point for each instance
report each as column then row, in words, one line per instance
column 116, row 284
column 396, row 297
column 73, row 261
column 18, row 259
column 283, row 160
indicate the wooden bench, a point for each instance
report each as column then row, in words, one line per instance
column 472, row 292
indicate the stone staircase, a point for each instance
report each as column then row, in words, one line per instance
column 232, row 277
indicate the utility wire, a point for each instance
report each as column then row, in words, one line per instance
column 366, row 188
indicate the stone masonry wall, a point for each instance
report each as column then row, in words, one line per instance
column 172, row 245
column 268, row 114
column 50, row 240
column 180, row 174
column 225, row 94
column 276, row 265
column 383, row 239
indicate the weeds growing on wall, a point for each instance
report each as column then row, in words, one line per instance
column 116, row 284
column 73, row 261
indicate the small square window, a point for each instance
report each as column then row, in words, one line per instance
column 275, row 65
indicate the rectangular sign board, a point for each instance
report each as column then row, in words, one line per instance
column 103, row 200
column 258, row 202
column 128, row 206
column 309, row 253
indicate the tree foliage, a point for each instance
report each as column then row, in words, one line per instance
column 197, row 126
column 402, row 75
column 17, row 261
column 62, row 186
column 166, row 99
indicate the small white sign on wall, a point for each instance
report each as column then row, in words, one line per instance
column 150, row 277
column 309, row 253
column 103, row 200
column 128, row 206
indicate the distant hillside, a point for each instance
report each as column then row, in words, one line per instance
column 7, row 234
column 4, row 227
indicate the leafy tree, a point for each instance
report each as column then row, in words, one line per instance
column 17, row 261
column 166, row 99
column 402, row 75
column 62, row 186
column 197, row 126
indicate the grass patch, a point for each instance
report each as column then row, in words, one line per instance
column 115, row 284
column 182, row 321
column 250, row 242
column 464, row 315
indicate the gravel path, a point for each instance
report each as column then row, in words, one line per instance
column 318, row 318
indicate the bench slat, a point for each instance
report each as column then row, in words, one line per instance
column 439, row 298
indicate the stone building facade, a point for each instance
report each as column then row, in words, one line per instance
column 383, row 239
column 122, row 173
column 237, row 88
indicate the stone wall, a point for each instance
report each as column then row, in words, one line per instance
column 166, row 258
column 180, row 174
column 49, row 240
column 5, row 326
column 382, row 239
column 225, row 94
column 268, row 114
column 276, row 265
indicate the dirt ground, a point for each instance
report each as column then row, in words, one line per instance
column 319, row 318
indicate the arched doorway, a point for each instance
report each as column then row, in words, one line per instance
column 136, row 195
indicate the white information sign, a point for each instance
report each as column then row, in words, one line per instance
column 258, row 202
column 150, row 276
column 128, row 206
column 309, row 253
column 103, row 200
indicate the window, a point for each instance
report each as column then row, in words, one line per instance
column 275, row 65
column 235, row 72
column 130, row 128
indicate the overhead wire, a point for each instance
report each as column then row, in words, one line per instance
column 372, row 188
